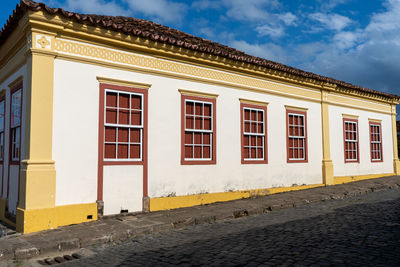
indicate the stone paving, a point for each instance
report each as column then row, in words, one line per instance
column 358, row 231
column 116, row 229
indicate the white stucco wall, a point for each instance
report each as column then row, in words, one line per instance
column 75, row 141
column 12, row 174
column 337, row 147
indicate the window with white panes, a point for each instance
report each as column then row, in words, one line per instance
column 351, row 149
column 198, row 130
column 254, row 132
column 123, row 126
column 376, row 141
column 16, row 99
column 296, row 136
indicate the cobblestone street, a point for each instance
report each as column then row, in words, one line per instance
column 359, row 231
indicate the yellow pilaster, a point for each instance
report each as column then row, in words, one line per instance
column 327, row 166
column 38, row 175
column 396, row 162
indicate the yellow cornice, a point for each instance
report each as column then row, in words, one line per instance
column 197, row 93
column 123, row 82
column 350, row 116
column 296, row 108
column 253, row 102
column 87, row 33
column 375, row 120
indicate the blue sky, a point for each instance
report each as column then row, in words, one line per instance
column 356, row 41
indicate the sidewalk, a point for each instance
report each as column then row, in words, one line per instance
column 123, row 227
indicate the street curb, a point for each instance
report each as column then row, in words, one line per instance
column 74, row 237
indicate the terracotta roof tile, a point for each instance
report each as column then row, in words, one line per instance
column 160, row 33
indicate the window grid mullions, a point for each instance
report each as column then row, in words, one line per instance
column 129, row 126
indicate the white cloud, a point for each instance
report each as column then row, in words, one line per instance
column 160, row 10
column 206, row 4
column 273, row 31
column 331, row 21
column 288, row 18
column 328, row 5
column 250, row 10
column 267, row 50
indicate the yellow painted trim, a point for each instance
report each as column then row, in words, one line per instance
column 296, row 108
column 327, row 165
column 16, row 81
column 375, row 120
column 35, row 220
column 253, row 102
column 349, row 179
column 165, row 203
column 354, row 102
column 349, row 116
column 123, row 83
column 197, row 93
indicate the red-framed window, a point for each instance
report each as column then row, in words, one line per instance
column 15, row 125
column 253, row 133
column 198, row 130
column 375, row 135
column 123, row 125
column 2, row 126
column 296, row 132
column 351, row 140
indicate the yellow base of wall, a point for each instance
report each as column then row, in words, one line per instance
column 349, row 179
column 166, row 203
column 29, row 221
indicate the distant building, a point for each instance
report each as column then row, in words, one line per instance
column 101, row 115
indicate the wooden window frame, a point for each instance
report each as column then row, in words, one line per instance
column 213, row 139
column 131, row 91
column 299, row 113
column 243, row 107
column 2, row 133
column 14, row 160
column 374, row 124
column 346, row 160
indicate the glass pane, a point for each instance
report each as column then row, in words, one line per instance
column 134, row 151
column 259, row 141
column 253, row 153
column 198, row 123
column 111, row 99
column 207, row 109
column 247, row 114
column 136, row 118
column 1, row 116
column 124, row 100
column 190, row 108
column 109, row 151
column 206, row 138
column 260, row 116
column 123, row 135
column 188, row 138
column 123, row 117
column 136, row 102
column 260, row 153
column 246, row 152
column 247, row 127
column 197, row 138
column 135, row 135
column 207, row 124
column 188, row 152
column 189, row 122
column 253, row 140
column 197, row 152
column 198, row 109
column 16, row 109
column 253, row 115
column 122, row 151
column 260, row 128
column 111, row 116
column 206, row 152
column 246, row 140
column 110, row 134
